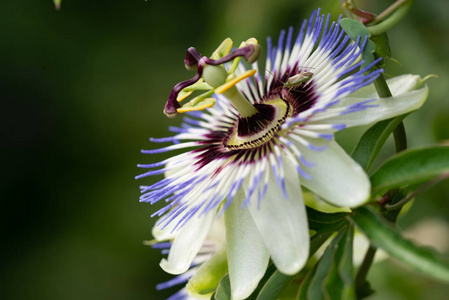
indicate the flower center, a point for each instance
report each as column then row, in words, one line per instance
column 255, row 130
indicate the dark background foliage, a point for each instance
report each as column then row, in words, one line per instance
column 83, row 88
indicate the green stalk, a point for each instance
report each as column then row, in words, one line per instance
column 400, row 137
column 400, row 140
column 360, row 279
column 391, row 9
column 399, row 13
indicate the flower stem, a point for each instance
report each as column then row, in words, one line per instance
column 395, row 13
column 366, row 264
column 400, row 140
column 400, row 8
column 400, row 137
column 416, row 192
column 387, row 12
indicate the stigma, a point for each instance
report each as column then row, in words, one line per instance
column 212, row 77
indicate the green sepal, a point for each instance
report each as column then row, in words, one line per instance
column 355, row 29
column 209, row 274
column 223, row 291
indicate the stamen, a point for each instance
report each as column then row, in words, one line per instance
column 187, row 91
column 200, row 105
column 223, row 88
column 215, row 75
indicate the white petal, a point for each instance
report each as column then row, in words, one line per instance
column 283, row 222
column 164, row 234
column 247, row 255
column 335, row 176
column 398, row 85
column 187, row 243
column 217, row 233
column 403, row 84
column 385, row 108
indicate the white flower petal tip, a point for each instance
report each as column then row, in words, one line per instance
column 241, row 292
column 343, row 182
column 294, row 267
column 172, row 268
column 187, row 243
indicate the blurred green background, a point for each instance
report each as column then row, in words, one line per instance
column 82, row 89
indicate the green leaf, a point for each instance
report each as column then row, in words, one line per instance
column 315, row 243
column 340, row 279
column 209, row 274
column 382, row 235
column 332, row 277
column 302, row 294
column 411, row 167
column 345, row 266
column 274, row 286
column 381, row 45
column 372, row 141
column 355, row 29
column 315, row 289
column 324, row 222
column 224, row 289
